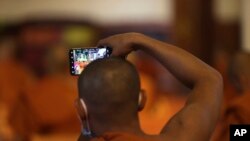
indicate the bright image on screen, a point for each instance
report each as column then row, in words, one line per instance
column 82, row 57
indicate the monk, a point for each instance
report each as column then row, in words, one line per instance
column 110, row 95
column 236, row 109
column 15, row 79
column 50, row 99
column 165, row 95
column 45, row 108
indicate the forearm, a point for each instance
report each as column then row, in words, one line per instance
column 183, row 65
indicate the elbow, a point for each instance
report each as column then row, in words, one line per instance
column 216, row 77
column 212, row 80
column 209, row 77
column 215, row 80
column 216, row 90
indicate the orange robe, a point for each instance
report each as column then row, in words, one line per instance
column 159, row 107
column 51, row 102
column 237, row 112
column 118, row 136
column 15, row 79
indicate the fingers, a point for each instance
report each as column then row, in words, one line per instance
column 119, row 43
column 107, row 43
column 102, row 43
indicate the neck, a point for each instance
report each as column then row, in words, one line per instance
column 83, row 138
column 131, row 127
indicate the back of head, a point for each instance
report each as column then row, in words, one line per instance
column 110, row 89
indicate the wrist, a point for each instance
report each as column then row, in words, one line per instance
column 137, row 41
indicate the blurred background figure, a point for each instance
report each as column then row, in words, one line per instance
column 162, row 101
column 239, row 72
column 15, row 79
column 51, row 99
column 37, row 93
column 236, row 110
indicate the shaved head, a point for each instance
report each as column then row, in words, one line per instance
column 110, row 88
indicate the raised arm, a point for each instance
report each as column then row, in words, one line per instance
column 197, row 119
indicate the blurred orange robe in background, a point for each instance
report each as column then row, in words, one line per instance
column 236, row 112
column 38, row 106
column 52, row 104
column 15, row 79
column 159, row 107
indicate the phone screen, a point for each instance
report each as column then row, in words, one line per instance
column 81, row 57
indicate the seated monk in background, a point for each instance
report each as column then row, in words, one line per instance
column 164, row 96
column 110, row 96
column 15, row 79
column 47, row 108
column 51, row 98
column 236, row 110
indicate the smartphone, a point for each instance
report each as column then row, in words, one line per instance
column 79, row 58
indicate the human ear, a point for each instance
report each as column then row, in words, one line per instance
column 81, row 109
column 142, row 100
column 83, row 114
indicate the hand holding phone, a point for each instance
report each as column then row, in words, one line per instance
column 81, row 57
